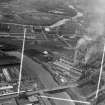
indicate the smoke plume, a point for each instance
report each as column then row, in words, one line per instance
column 95, row 39
column 96, row 26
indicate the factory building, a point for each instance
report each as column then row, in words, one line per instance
column 8, row 73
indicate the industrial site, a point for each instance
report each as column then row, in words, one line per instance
column 52, row 52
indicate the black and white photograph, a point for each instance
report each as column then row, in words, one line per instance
column 52, row 52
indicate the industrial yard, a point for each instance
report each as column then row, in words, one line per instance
column 52, row 52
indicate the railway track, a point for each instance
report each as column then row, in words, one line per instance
column 29, row 93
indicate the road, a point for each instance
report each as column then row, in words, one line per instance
column 45, row 78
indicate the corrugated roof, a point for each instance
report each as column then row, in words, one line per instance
column 7, row 60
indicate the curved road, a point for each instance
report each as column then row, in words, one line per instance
column 45, row 77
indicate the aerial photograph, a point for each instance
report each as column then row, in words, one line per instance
column 52, row 52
